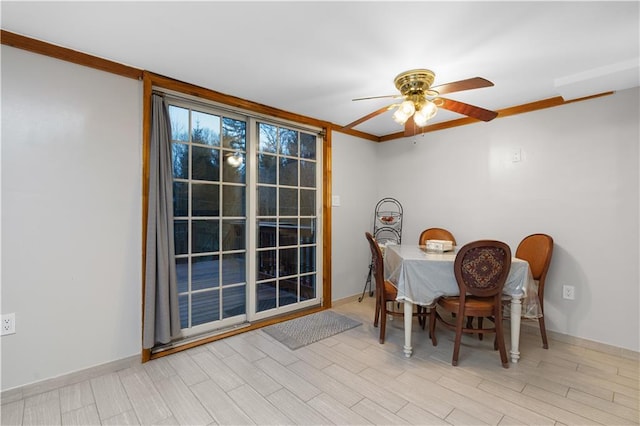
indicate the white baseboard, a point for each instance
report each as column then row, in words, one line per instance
column 345, row 300
column 25, row 391
column 532, row 327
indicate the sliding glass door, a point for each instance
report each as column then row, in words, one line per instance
column 286, row 219
column 246, row 219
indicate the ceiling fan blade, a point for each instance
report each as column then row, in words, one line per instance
column 458, row 86
column 377, row 97
column 369, row 116
column 466, row 109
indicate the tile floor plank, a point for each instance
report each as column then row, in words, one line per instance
column 441, row 401
column 275, row 350
column 346, row 362
column 296, row 409
column 258, row 408
column 288, row 379
column 576, row 407
column 123, row 419
column 245, row 348
column 76, row 396
column 221, row 349
column 85, row 416
column 44, row 413
column 252, row 375
column 337, row 413
column 558, row 414
column 187, row 369
column 368, row 388
column 216, row 369
column 415, row 415
column 460, row 417
column 149, row 406
column 11, row 413
column 376, row 414
column 607, row 406
column 219, row 405
column 518, row 412
column 313, row 358
column 186, row 408
column 327, row 384
column 111, row 398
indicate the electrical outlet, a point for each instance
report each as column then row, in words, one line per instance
column 568, row 292
column 516, row 155
column 8, row 324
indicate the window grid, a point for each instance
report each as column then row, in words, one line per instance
column 302, row 278
column 213, row 292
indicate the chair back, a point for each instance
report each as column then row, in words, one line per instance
column 377, row 263
column 537, row 249
column 435, row 234
column 481, row 268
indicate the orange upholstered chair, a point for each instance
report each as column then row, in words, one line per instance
column 435, row 234
column 537, row 249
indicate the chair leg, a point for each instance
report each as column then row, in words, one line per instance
column 543, row 332
column 375, row 319
column 383, row 320
column 432, row 326
column 480, row 335
column 456, row 346
column 501, row 344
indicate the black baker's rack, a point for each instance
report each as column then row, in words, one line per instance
column 387, row 228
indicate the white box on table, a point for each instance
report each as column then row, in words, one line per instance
column 439, row 245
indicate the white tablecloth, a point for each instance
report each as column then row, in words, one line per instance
column 423, row 277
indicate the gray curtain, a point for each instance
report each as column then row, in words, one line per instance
column 161, row 310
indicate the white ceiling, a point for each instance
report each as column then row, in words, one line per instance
column 312, row 58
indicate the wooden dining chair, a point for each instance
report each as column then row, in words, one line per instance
column 435, row 234
column 481, row 269
column 537, row 249
column 432, row 234
column 386, row 291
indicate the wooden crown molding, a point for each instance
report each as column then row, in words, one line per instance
column 26, row 43
column 43, row 48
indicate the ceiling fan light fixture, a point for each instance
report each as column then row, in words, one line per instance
column 427, row 112
column 404, row 111
column 422, row 101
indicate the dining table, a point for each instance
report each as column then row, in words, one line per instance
column 422, row 277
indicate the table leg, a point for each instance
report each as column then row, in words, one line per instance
column 408, row 320
column 516, row 312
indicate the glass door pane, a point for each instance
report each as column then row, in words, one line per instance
column 286, row 220
column 210, row 220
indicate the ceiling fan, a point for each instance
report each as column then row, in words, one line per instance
column 422, row 101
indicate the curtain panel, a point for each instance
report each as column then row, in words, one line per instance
column 161, row 310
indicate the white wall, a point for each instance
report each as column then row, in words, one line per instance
column 577, row 181
column 354, row 177
column 71, row 216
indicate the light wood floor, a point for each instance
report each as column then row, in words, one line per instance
column 350, row 379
